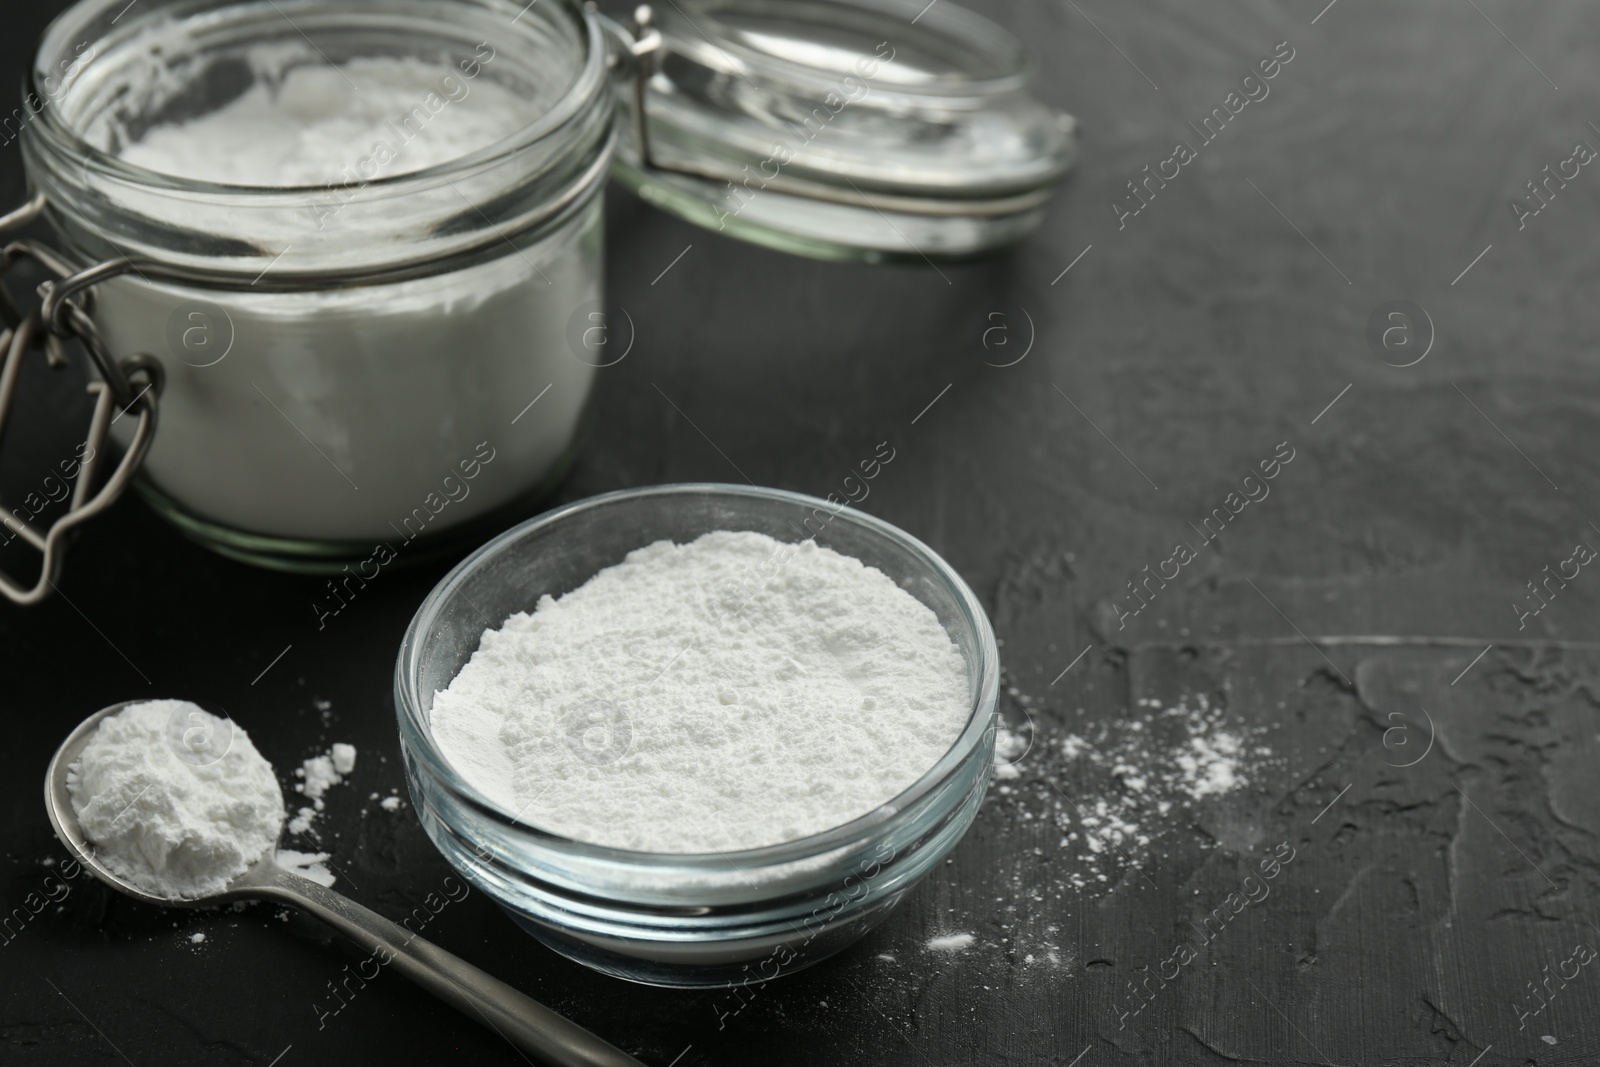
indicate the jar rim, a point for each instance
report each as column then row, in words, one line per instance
column 421, row 746
column 589, row 81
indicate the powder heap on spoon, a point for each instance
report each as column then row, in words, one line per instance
column 175, row 800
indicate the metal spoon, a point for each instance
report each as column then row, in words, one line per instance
column 524, row 1022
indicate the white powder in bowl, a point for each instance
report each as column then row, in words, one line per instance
column 176, row 801
column 730, row 693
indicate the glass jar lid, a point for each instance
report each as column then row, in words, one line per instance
column 846, row 129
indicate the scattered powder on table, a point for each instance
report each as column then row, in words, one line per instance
column 343, row 758
column 729, row 693
column 1009, row 747
column 390, row 803
column 951, row 942
column 1128, row 778
column 1211, row 764
column 176, row 801
column 197, row 937
column 318, row 775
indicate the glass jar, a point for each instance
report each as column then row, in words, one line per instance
column 403, row 356
column 343, row 366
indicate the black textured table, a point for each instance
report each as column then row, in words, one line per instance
column 1441, row 897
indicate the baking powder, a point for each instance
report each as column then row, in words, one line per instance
column 673, row 704
column 176, row 801
column 332, row 412
column 317, row 124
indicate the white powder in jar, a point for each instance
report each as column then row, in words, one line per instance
column 352, row 413
column 176, row 801
column 318, row 124
column 675, row 703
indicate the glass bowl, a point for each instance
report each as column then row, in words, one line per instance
column 713, row 919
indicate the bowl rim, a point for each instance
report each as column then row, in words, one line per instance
column 980, row 720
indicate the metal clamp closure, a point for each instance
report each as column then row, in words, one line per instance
column 126, row 387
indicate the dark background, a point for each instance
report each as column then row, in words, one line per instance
column 1422, row 901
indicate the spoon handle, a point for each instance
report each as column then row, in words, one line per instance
column 518, row 1018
